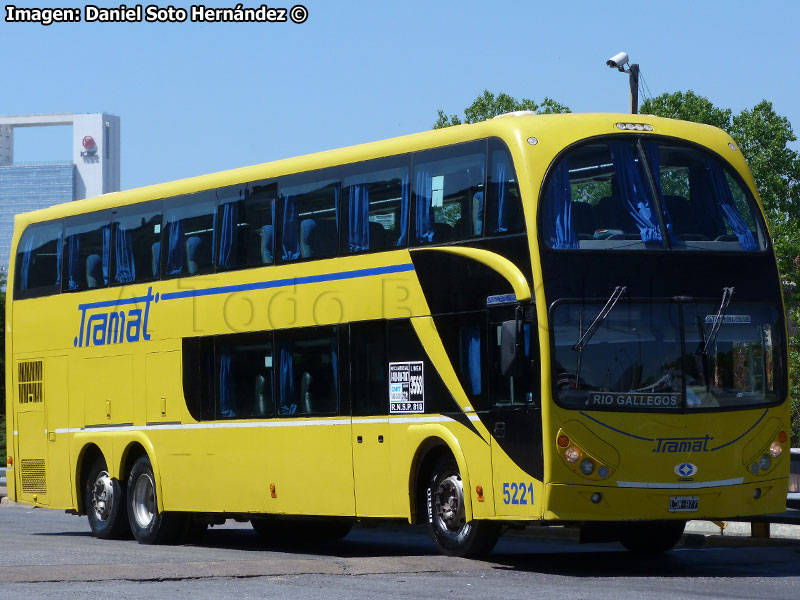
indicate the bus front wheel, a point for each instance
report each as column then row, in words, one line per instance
column 149, row 526
column 447, row 523
column 105, row 503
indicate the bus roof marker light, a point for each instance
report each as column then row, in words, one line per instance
column 732, row 146
column 533, row 141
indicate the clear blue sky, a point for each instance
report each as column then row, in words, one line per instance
column 197, row 98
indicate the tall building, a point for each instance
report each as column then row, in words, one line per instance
column 94, row 168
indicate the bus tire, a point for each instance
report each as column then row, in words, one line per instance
column 106, row 506
column 444, row 497
column 651, row 537
column 149, row 526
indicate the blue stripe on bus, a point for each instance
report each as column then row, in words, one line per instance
column 744, row 434
column 617, row 430
column 264, row 285
column 120, row 302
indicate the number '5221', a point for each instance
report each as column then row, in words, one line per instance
column 517, row 493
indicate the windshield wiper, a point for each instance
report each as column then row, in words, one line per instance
column 727, row 294
column 601, row 316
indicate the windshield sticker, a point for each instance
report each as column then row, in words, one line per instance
column 406, row 387
column 729, row 319
column 633, row 399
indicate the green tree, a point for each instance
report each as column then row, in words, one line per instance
column 763, row 136
column 487, row 106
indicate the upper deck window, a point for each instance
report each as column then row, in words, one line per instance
column 38, row 264
column 631, row 194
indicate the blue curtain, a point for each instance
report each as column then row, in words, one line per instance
column 403, row 239
column 500, row 170
column 653, row 155
column 286, row 390
column 74, row 281
column 226, row 408
column 724, row 198
column 558, row 209
column 358, row 218
column 123, row 246
column 227, row 236
column 106, row 252
column 27, row 253
column 424, row 214
column 633, row 191
column 177, row 248
column 290, row 240
column 471, row 357
column 335, row 364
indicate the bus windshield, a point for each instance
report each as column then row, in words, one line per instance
column 663, row 357
column 644, row 195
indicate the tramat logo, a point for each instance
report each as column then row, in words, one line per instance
column 104, row 323
column 672, row 445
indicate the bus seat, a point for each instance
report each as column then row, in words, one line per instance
column 266, row 234
column 680, row 213
column 442, row 232
column 307, row 227
column 156, row 258
column 377, row 236
column 94, row 271
column 193, row 246
column 612, row 214
column 263, row 398
column 305, row 393
column 584, row 221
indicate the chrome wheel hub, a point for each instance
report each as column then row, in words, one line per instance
column 144, row 501
column 449, row 503
column 102, row 496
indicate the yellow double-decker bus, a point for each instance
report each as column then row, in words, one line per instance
column 536, row 319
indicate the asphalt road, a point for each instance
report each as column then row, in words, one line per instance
column 47, row 554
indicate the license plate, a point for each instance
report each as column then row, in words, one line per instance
column 683, row 503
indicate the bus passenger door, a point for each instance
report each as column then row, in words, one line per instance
column 369, row 401
column 515, row 422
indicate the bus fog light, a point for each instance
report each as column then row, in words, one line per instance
column 765, row 462
column 757, row 493
column 587, row 466
column 602, row 472
column 775, row 449
column 572, row 454
column 597, row 497
column 754, row 468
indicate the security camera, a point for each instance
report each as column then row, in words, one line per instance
column 618, row 61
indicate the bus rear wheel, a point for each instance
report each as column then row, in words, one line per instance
column 149, row 526
column 447, row 522
column 651, row 537
column 105, row 503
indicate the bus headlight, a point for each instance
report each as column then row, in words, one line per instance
column 602, row 472
column 587, row 466
column 775, row 449
column 572, row 454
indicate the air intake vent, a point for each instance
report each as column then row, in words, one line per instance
column 32, row 475
column 30, row 381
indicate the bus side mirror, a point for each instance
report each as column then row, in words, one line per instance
column 512, row 359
